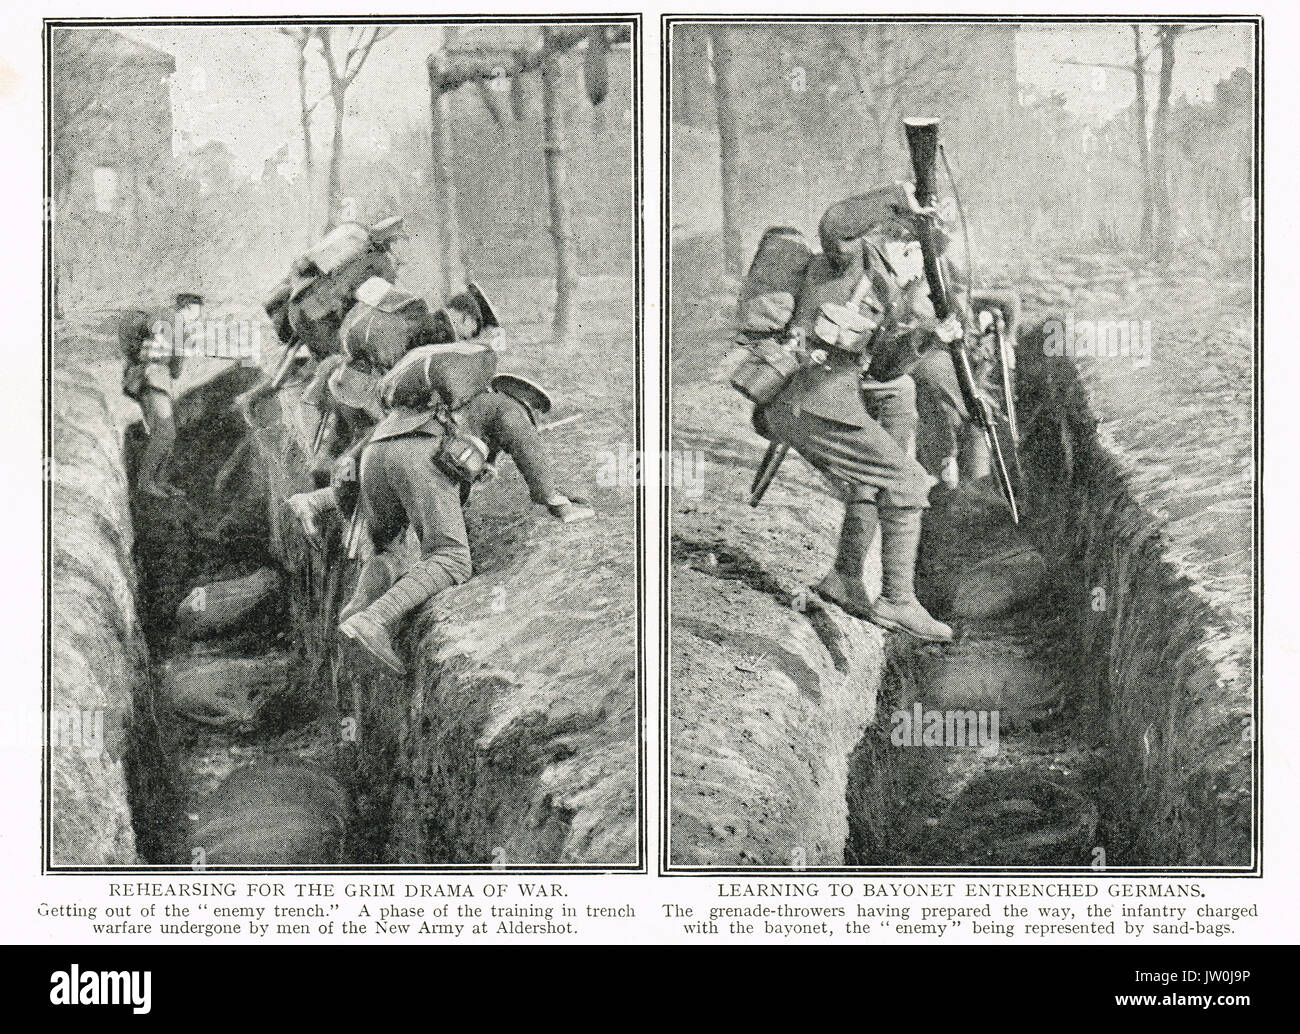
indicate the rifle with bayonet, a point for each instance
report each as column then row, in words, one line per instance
column 923, row 144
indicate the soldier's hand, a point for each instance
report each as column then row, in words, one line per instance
column 569, row 510
column 302, row 508
column 949, row 330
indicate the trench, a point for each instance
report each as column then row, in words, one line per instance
column 1114, row 744
column 243, row 765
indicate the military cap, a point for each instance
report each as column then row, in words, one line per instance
column 533, row 396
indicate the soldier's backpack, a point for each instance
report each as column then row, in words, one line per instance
column 451, row 373
column 765, row 305
column 382, row 325
column 768, row 291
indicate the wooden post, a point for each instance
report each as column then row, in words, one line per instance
column 729, row 153
column 557, row 183
column 443, row 178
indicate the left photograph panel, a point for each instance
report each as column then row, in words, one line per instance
column 342, row 401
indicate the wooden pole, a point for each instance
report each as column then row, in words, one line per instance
column 443, row 178
column 729, row 153
column 557, row 183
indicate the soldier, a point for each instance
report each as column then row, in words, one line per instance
column 445, row 404
column 859, row 431
column 154, row 359
column 384, row 324
column 416, row 469
column 309, row 306
column 952, row 449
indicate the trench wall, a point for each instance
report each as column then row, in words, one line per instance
column 770, row 689
column 513, row 739
column 98, row 659
column 1175, row 692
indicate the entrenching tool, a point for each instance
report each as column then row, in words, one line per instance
column 772, row 460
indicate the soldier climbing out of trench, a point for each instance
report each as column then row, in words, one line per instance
column 153, row 347
column 849, row 407
column 447, row 415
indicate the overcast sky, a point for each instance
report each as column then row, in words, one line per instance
column 239, row 84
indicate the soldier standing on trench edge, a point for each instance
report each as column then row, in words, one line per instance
column 153, row 347
column 852, row 414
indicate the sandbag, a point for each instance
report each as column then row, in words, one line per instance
column 280, row 812
column 1003, row 674
column 212, row 609
column 1000, row 584
column 1011, row 817
column 224, row 692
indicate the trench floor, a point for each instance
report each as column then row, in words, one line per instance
column 1025, row 793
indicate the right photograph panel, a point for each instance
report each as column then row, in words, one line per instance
column 961, row 443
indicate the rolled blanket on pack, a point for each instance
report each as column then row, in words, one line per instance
column 767, row 294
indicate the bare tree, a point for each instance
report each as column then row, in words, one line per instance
column 448, row 71
column 1156, row 232
column 888, row 70
column 1163, row 237
column 302, row 38
column 343, row 62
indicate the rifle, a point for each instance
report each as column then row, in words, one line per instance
column 923, row 144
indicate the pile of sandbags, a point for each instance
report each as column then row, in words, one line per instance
column 223, row 692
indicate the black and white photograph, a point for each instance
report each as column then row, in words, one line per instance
column 343, row 381
column 630, row 475
column 960, row 382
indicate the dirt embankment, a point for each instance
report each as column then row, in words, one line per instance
column 1155, row 461
column 770, row 689
column 98, row 675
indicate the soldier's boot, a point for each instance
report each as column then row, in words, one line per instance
column 843, row 586
column 153, row 462
column 373, row 627
column 375, row 579
column 898, row 609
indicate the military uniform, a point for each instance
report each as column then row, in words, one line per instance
column 153, row 363
column 446, row 424
column 858, row 430
column 824, row 414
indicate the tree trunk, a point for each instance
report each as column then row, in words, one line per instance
column 304, row 120
column 729, row 153
column 1143, row 139
column 444, row 181
column 1164, row 233
column 557, row 183
column 335, row 190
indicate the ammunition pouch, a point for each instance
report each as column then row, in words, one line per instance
column 463, row 457
column 843, row 327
